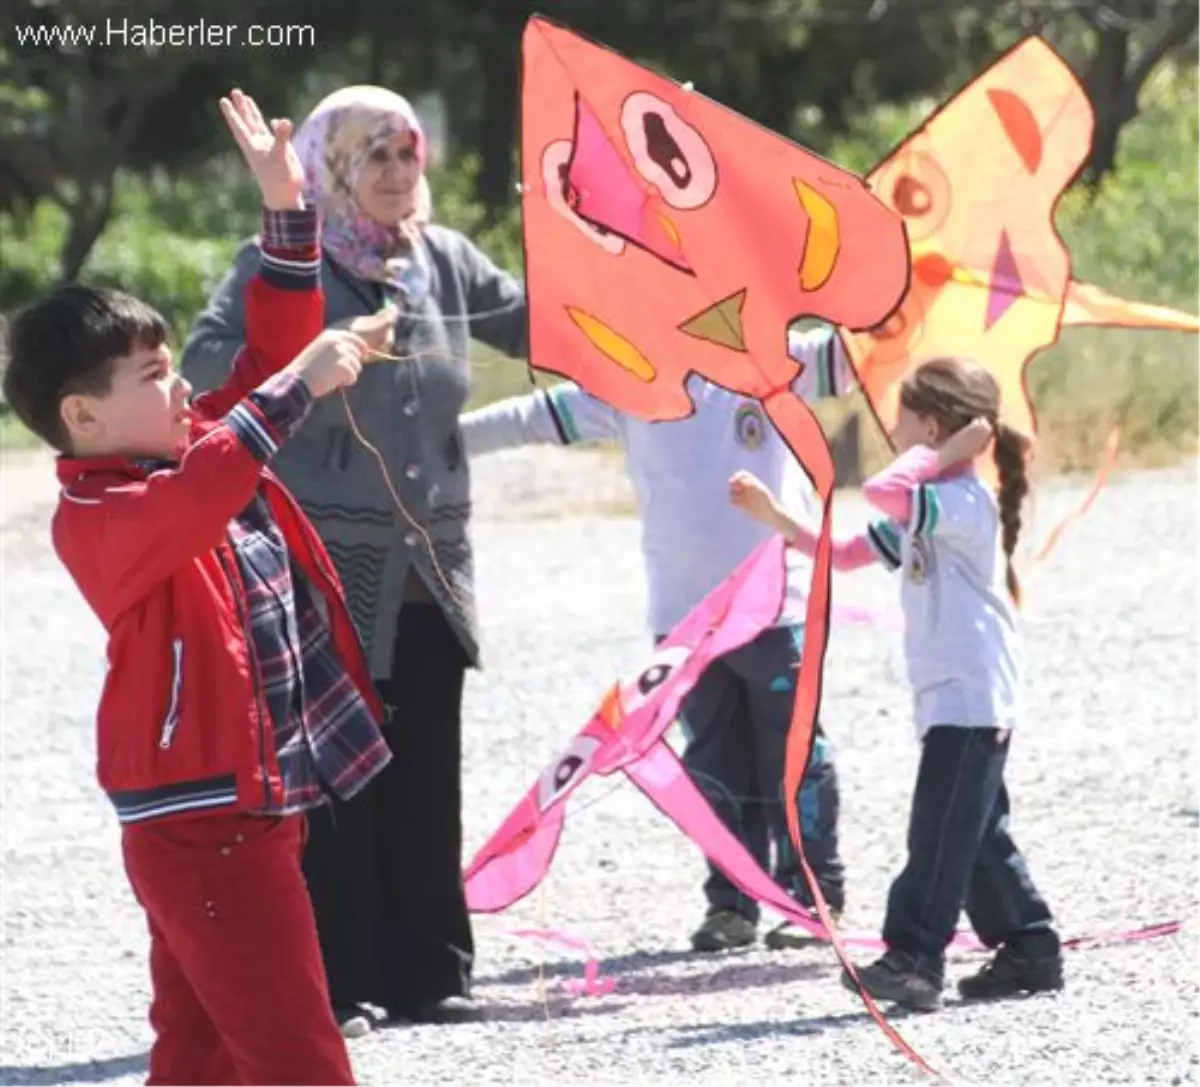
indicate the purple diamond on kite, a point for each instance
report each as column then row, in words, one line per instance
column 1006, row 285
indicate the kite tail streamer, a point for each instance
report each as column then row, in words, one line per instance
column 804, row 436
column 1110, row 459
column 1087, row 304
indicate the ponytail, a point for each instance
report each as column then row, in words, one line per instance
column 1009, row 452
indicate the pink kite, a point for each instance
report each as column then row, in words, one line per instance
column 626, row 734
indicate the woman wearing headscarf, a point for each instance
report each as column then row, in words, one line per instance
column 384, row 871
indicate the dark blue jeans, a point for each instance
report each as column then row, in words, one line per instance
column 735, row 721
column 960, row 853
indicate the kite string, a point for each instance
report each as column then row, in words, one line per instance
column 518, row 703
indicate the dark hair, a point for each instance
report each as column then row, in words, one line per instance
column 955, row 391
column 66, row 343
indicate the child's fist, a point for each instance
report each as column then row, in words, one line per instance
column 268, row 151
column 332, row 361
column 749, row 494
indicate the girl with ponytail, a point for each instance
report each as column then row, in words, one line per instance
column 952, row 538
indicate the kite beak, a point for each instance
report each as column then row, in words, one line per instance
column 721, row 323
column 611, row 712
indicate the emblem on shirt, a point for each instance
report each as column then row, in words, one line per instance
column 750, row 426
column 920, row 561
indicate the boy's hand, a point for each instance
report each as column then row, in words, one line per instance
column 750, row 495
column 377, row 329
column 332, row 361
column 268, row 152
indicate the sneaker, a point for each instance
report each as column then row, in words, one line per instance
column 1009, row 975
column 723, row 931
column 892, row 978
column 788, row 935
column 449, row 1009
column 353, row 1020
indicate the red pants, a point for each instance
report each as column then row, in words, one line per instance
column 239, row 990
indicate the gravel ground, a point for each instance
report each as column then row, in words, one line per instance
column 1105, row 807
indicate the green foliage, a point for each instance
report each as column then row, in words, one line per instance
column 171, row 238
column 1137, row 237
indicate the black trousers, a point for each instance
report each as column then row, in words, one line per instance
column 961, row 854
column 736, row 720
column 385, row 870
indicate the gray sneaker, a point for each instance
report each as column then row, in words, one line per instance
column 723, row 931
column 354, row 1021
column 787, row 935
column 892, row 978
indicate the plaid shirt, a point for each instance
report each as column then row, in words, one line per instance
column 326, row 739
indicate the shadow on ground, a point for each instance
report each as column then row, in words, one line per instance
column 75, row 1071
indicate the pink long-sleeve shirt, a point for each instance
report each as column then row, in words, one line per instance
column 942, row 530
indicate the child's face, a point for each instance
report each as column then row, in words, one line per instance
column 912, row 429
column 144, row 414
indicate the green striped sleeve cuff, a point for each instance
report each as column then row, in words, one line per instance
column 925, row 512
column 885, row 541
column 564, row 421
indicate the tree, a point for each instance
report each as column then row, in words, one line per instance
column 1114, row 47
column 78, row 107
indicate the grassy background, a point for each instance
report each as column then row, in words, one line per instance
column 171, row 240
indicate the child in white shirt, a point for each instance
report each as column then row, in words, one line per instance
column 736, row 718
column 953, row 540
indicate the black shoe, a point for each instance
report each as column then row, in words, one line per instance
column 1008, row 974
column 449, row 1009
column 788, row 935
column 893, row 978
column 723, row 931
column 353, row 1020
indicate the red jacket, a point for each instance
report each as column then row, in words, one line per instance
column 182, row 726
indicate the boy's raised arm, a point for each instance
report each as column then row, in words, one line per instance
column 284, row 305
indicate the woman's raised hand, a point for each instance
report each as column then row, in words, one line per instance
column 268, row 151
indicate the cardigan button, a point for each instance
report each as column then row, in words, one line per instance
column 413, row 471
column 411, row 539
column 409, row 408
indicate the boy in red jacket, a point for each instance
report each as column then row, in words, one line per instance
column 237, row 694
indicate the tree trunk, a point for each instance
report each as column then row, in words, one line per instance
column 1115, row 78
column 500, row 58
column 1108, row 90
column 501, row 101
column 89, row 214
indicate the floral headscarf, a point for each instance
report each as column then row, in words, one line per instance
column 334, row 143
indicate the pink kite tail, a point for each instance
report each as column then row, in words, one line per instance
column 1148, row 932
column 591, row 984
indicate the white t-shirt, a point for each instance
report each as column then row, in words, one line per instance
column 692, row 538
column 962, row 642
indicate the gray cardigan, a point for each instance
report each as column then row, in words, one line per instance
column 409, row 411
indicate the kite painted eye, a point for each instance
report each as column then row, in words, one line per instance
column 906, row 325
column 662, row 666
column 891, row 328
column 668, row 152
column 555, row 160
column 917, row 188
column 572, row 765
